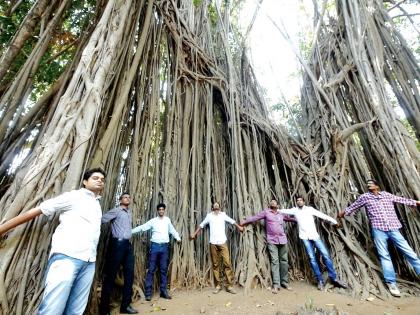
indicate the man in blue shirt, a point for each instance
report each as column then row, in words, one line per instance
column 120, row 252
column 161, row 227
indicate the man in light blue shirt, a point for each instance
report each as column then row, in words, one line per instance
column 161, row 227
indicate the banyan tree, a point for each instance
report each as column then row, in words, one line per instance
column 161, row 94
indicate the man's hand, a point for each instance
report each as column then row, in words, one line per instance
column 341, row 214
column 241, row 228
column 242, row 223
column 192, row 237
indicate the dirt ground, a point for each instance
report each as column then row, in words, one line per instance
column 304, row 299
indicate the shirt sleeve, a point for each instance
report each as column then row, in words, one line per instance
column 142, row 228
column 60, row 203
column 205, row 221
column 110, row 215
column 256, row 217
column 287, row 211
column 323, row 216
column 404, row 201
column 229, row 219
column 360, row 202
column 173, row 232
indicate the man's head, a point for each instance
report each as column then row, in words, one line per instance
column 125, row 199
column 273, row 204
column 94, row 180
column 161, row 209
column 300, row 201
column 372, row 184
column 215, row 206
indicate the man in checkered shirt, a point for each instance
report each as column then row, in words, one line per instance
column 385, row 225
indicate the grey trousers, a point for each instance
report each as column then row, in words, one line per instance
column 279, row 263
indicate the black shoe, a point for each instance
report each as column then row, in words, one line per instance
column 286, row 286
column 128, row 310
column 148, row 298
column 165, row 295
column 339, row 284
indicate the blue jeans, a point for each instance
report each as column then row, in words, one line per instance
column 67, row 285
column 381, row 241
column 159, row 254
column 319, row 244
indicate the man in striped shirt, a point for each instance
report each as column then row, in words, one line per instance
column 380, row 210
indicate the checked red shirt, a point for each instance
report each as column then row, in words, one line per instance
column 380, row 209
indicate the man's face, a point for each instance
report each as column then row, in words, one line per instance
column 273, row 204
column 300, row 202
column 216, row 207
column 125, row 200
column 371, row 185
column 95, row 182
column 161, row 211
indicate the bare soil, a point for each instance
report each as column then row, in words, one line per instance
column 303, row 299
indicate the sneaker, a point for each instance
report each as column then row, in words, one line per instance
column 217, row 289
column 286, row 286
column 393, row 289
column 148, row 297
column 321, row 286
column 275, row 289
column 339, row 284
column 231, row 290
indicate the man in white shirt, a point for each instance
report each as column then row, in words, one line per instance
column 218, row 248
column 71, row 265
column 161, row 227
column 309, row 235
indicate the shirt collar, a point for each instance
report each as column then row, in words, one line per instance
column 90, row 193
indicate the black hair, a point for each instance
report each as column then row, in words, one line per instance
column 89, row 173
column 373, row 181
column 124, row 193
column 161, row 205
column 299, row 197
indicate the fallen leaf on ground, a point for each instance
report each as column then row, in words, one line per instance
column 228, row 304
column 370, row 298
column 258, row 305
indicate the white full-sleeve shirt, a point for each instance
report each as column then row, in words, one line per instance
column 217, row 226
column 77, row 234
column 161, row 228
column 305, row 218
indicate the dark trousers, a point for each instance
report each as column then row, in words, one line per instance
column 120, row 253
column 159, row 255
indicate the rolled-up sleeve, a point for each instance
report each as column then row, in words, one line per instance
column 229, row 219
column 60, row 203
column 205, row 221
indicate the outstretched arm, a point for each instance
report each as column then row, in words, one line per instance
column 194, row 235
column 323, row 216
column 20, row 219
column 142, row 228
column 254, row 218
column 360, row 202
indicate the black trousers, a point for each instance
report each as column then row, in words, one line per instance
column 120, row 252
